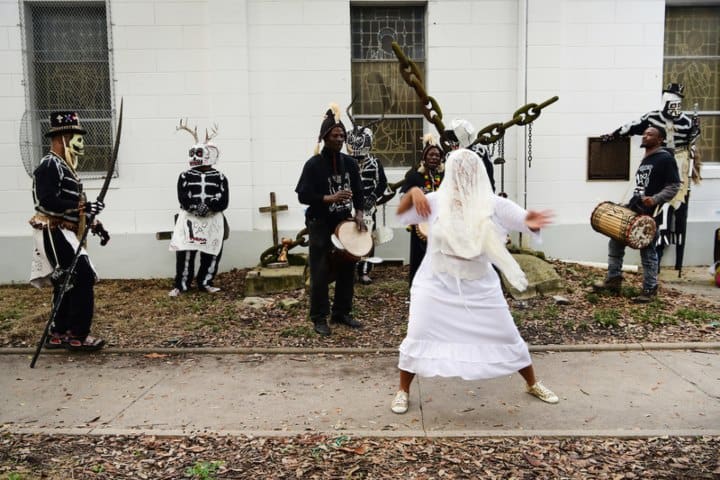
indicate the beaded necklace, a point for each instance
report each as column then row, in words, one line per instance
column 431, row 185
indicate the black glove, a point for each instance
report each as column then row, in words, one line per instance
column 97, row 228
column 202, row 209
column 94, row 208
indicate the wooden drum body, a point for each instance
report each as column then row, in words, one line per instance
column 624, row 225
column 350, row 243
column 421, row 230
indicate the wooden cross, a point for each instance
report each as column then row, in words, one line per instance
column 273, row 209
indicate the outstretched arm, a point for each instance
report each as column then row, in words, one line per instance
column 414, row 197
column 535, row 220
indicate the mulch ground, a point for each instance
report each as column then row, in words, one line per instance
column 322, row 457
column 138, row 313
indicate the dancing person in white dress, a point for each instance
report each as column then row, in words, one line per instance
column 460, row 324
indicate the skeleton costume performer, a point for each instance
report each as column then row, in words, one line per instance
column 427, row 177
column 203, row 194
column 682, row 133
column 330, row 186
column 58, row 224
column 374, row 182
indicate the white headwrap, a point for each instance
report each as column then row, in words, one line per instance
column 464, row 228
column 464, row 131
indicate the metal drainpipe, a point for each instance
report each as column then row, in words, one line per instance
column 523, row 21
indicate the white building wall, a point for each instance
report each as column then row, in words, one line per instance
column 265, row 71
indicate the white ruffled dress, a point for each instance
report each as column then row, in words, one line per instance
column 462, row 328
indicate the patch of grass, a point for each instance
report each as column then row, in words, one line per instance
column 204, row 470
column 390, row 287
column 519, row 318
column 652, row 313
column 10, row 313
column 630, row 291
column 551, row 312
column 592, row 298
column 697, row 316
column 300, row 331
column 609, row 317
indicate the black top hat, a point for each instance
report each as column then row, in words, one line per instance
column 676, row 88
column 64, row 122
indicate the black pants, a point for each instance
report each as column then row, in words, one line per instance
column 185, row 269
column 76, row 310
column 320, row 248
column 418, row 248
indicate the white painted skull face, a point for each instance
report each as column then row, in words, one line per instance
column 77, row 145
column 359, row 141
column 672, row 104
column 203, row 155
column 74, row 148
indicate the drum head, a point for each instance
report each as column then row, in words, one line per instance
column 355, row 242
column 641, row 231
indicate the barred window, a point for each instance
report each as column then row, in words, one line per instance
column 692, row 57
column 67, row 68
column 376, row 81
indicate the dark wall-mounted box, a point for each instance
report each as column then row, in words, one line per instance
column 608, row 160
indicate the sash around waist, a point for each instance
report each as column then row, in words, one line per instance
column 40, row 221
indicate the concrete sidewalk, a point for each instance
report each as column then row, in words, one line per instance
column 695, row 280
column 605, row 393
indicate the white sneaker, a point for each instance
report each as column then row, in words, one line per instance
column 400, row 402
column 211, row 289
column 542, row 392
column 174, row 292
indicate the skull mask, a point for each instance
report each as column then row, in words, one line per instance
column 203, row 155
column 74, row 148
column 359, row 141
column 672, row 104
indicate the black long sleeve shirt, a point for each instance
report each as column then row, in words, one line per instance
column 326, row 174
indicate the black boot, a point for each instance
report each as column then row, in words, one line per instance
column 613, row 285
column 321, row 327
column 647, row 295
column 346, row 319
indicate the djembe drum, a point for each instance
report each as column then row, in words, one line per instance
column 350, row 243
column 622, row 224
column 421, row 230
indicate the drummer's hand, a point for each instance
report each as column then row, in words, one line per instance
column 341, row 196
column 420, row 202
column 535, row 220
column 648, row 201
column 360, row 221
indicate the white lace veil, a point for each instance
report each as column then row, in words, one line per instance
column 464, row 228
